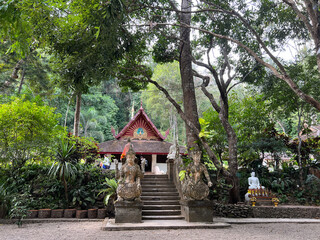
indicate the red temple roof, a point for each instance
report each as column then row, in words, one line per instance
column 140, row 127
column 144, row 147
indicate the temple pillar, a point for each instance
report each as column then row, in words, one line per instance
column 154, row 162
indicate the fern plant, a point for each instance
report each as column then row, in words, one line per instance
column 111, row 191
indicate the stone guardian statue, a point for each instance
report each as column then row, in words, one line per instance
column 172, row 151
column 193, row 187
column 129, row 187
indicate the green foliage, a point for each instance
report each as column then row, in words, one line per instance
column 81, row 197
column 212, row 129
column 111, row 191
column 98, row 115
column 281, row 185
column 64, row 168
column 32, row 179
column 220, row 189
column 4, row 199
column 312, row 191
column 182, row 175
column 3, row 194
column 85, row 148
column 310, row 148
column 88, row 182
column 28, row 131
column 33, row 189
column 165, row 50
column 15, row 27
column 18, row 207
column 285, row 184
column 249, row 116
column 158, row 108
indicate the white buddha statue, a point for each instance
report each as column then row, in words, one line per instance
column 253, row 181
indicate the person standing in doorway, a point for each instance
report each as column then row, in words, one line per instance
column 106, row 162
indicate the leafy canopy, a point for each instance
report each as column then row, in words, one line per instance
column 28, row 131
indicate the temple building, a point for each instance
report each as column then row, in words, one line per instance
column 147, row 142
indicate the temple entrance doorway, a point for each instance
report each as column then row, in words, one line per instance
column 148, row 166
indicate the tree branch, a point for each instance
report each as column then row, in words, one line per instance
column 205, row 83
column 283, row 76
column 243, row 79
column 193, row 128
column 303, row 18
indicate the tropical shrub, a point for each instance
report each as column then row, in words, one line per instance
column 312, row 189
column 85, row 148
column 28, row 131
column 111, row 190
column 63, row 168
column 19, row 208
column 3, row 201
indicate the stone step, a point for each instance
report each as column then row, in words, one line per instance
column 178, row 217
column 146, row 186
column 161, row 207
column 159, row 177
column 155, row 176
column 159, row 193
column 144, row 189
column 158, row 186
column 153, row 181
column 160, row 202
column 170, row 186
column 155, row 198
column 160, row 212
column 160, row 199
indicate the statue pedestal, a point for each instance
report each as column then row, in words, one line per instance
column 170, row 170
column 197, row 211
column 128, row 211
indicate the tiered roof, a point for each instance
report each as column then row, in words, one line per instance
column 140, row 127
column 144, row 135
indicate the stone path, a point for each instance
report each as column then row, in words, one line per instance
column 92, row 230
column 110, row 225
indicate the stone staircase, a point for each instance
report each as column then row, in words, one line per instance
column 160, row 198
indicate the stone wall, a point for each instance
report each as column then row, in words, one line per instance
column 245, row 211
column 286, row 212
column 232, row 211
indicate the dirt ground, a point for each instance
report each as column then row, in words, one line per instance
column 91, row 231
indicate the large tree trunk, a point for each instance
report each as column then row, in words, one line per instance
column 234, row 193
column 189, row 98
column 66, row 117
column 77, row 115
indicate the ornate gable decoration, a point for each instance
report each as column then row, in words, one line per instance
column 140, row 127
